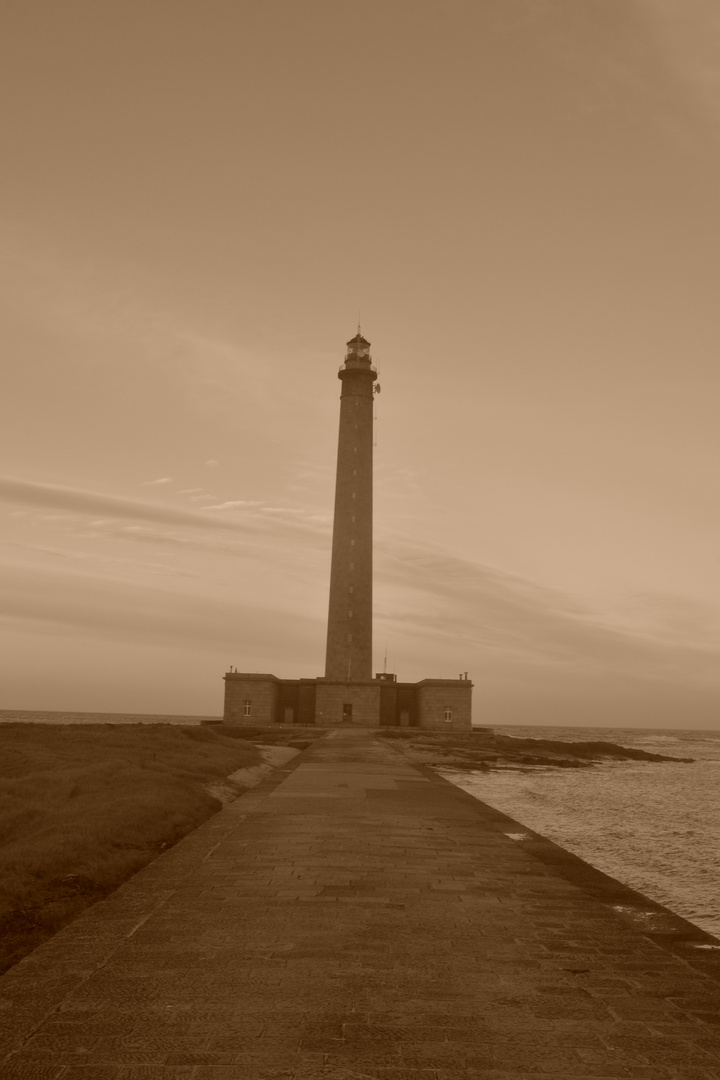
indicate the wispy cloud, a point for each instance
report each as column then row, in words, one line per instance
column 96, row 559
column 233, row 504
column 486, row 612
column 30, row 493
column 673, row 618
column 251, row 519
column 423, row 591
column 125, row 611
column 161, row 480
column 282, row 510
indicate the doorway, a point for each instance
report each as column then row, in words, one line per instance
column 347, row 714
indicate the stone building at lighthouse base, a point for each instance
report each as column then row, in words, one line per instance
column 259, row 700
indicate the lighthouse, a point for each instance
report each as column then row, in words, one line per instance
column 348, row 693
column 348, row 655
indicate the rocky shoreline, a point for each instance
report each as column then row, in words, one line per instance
column 485, row 750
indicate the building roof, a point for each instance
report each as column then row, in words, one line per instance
column 358, row 340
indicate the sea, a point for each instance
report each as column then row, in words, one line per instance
column 655, row 826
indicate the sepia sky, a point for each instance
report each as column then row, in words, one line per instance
column 521, row 198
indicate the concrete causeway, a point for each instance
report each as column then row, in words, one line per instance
column 357, row 916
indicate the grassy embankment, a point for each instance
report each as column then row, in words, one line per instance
column 82, row 807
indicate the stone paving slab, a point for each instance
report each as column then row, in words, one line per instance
column 356, row 917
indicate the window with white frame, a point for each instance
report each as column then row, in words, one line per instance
column 247, row 707
column 448, row 716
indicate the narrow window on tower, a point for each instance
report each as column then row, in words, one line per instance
column 349, row 637
column 350, row 614
column 354, row 472
column 352, row 518
column 353, row 495
column 448, row 716
column 352, row 588
column 352, row 543
column 247, row 707
column 352, row 565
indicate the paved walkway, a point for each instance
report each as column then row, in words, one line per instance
column 358, row 917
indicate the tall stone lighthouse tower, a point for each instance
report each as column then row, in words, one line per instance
column 348, row 693
column 349, row 636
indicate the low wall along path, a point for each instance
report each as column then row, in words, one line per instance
column 356, row 916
